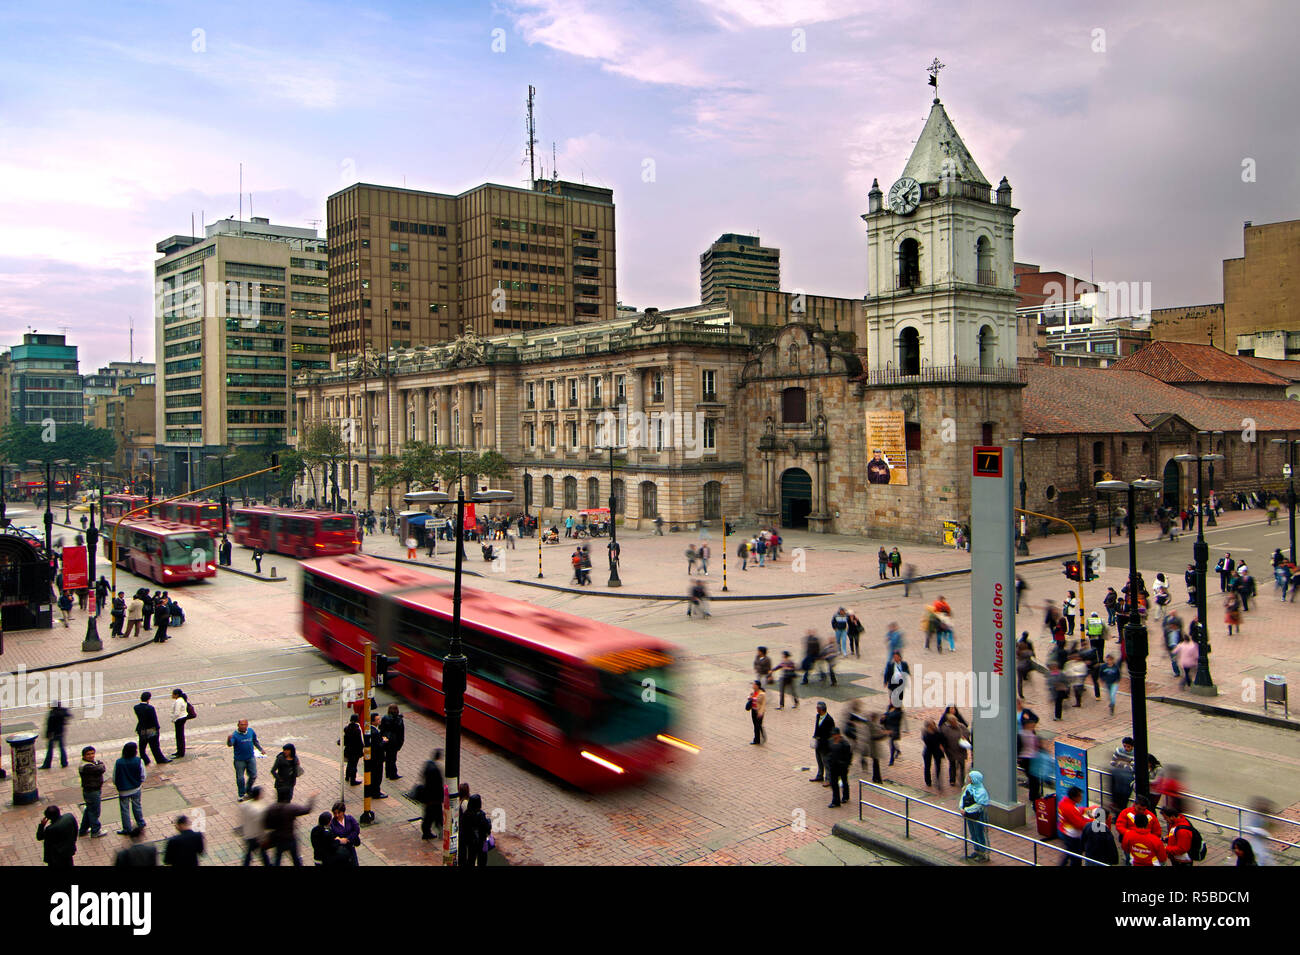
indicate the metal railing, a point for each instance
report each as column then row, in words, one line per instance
column 909, row 820
column 1102, row 790
column 945, row 373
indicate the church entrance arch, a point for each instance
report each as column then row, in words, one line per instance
column 1173, row 478
column 796, row 498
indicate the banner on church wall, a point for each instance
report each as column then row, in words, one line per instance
column 886, row 448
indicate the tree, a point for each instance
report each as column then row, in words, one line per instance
column 322, row 445
column 291, row 466
column 49, row 442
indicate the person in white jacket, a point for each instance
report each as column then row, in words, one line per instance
column 252, row 816
column 180, row 713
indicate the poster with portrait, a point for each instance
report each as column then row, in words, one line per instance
column 886, row 448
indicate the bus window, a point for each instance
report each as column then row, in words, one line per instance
column 631, row 705
column 181, row 548
column 241, row 520
column 336, row 524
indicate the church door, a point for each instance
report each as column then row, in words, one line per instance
column 796, row 498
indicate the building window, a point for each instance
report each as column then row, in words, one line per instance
column 532, row 395
column 528, row 491
column 573, row 434
column 550, row 394
column 530, row 435
column 595, row 391
column 571, row 493
column 912, row 436
column 712, row 501
column 710, row 384
column 794, row 406
column 573, row 392
column 986, row 433
column 620, row 388
column 1098, row 452
column 618, row 496
column 909, row 264
column 984, row 274
column 1050, row 493
column 548, row 491
column 658, row 386
column 550, row 435
column 710, row 434
column 909, row 351
column 593, row 492
column 649, row 499
column 659, row 433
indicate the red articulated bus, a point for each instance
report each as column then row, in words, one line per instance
column 163, row 551
column 117, row 505
column 298, row 533
column 591, row 703
column 203, row 514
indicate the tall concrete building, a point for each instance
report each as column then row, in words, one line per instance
column 738, row 261
column 104, row 383
column 44, row 382
column 414, row 268
column 237, row 312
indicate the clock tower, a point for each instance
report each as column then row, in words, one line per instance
column 941, row 289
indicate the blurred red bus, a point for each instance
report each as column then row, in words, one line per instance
column 590, row 703
column 203, row 514
column 117, row 505
column 164, row 551
column 298, row 533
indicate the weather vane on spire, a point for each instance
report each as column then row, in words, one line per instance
column 933, row 69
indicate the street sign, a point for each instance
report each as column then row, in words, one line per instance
column 74, row 568
column 1286, row 470
column 328, row 689
column 1106, row 476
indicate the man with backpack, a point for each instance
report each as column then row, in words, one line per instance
column 1184, row 844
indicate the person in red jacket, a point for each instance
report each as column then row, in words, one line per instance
column 1142, row 847
column 1179, row 844
column 1125, row 820
column 1070, row 823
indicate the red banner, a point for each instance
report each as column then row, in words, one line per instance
column 74, row 568
column 470, row 520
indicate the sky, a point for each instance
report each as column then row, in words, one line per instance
column 1137, row 137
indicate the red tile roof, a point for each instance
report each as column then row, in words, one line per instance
column 1061, row 400
column 1187, row 362
column 1283, row 368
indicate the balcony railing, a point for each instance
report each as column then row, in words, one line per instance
column 986, row 277
column 909, row 280
column 942, row 374
column 710, row 396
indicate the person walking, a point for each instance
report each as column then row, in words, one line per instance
column 1098, row 840
column 757, row 706
column 252, row 815
column 285, row 772
column 102, row 590
column 91, row 771
column 896, row 676
column 280, row 823
column 258, row 554
column 698, row 600
column 147, row 729
column 182, row 850
column 393, row 728
column 893, row 641
column 65, row 607
column 128, row 780
column 1245, row 588
column 703, row 556
column 1076, row 671
column 823, row 727
column 1021, row 587
column 785, row 673
column 181, row 714
column 56, row 722
column 243, row 741
column 1232, row 612
column 138, row 854
column 973, row 802
column 763, row 665
column 892, row 722
column 855, row 635
column 354, row 744
column 840, row 758
column 956, row 743
column 932, row 753
column 475, row 833
column 812, row 651
column 830, row 653
column 431, row 793
column 1110, row 674
column 882, row 558
column 909, row 581
column 134, row 616
column 1025, row 662
column 1070, row 823
column 1189, row 658
column 117, row 615
column 58, row 830
column 742, row 551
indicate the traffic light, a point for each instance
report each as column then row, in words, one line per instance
column 1071, row 569
column 1088, row 572
column 382, row 663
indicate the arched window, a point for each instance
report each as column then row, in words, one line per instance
column 649, row 499
column 712, row 500
column 1098, row 452
column 794, row 406
column 593, row 492
column 909, row 351
column 618, row 496
column 571, row 493
column 548, row 491
column 528, row 491
column 984, row 274
column 985, row 341
column 909, row 263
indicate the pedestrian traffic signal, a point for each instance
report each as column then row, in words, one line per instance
column 1088, row 572
column 382, row 663
column 1071, row 569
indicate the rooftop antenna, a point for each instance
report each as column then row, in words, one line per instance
column 130, row 355
column 1092, row 271
column 530, row 129
column 241, row 198
column 555, row 175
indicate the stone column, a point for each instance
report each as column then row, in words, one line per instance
column 420, row 401
column 444, row 416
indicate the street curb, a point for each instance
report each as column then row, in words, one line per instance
column 249, row 574
column 960, row 573
column 102, row 656
column 858, row 834
column 1213, row 710
column 713, row 598
column 420, row 563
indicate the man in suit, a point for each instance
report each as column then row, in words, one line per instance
column 896, row 675
column 147, row 728
column 184, row 848
column 823, row 728
column 375, row 764
column 58, row 830
column 839, row 758
column 139, row 854
column 353, row 746
column 393, row 727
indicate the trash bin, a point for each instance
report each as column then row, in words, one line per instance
column 1275, row 692
column 22, row 758
column 1045, row 814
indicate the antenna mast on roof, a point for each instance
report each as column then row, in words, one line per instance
column 130, row 355
column 530, row 129
column 555, row 175
column 241, row 199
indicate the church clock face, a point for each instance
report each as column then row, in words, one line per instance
column 904, row 196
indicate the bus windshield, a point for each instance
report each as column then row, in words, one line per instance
column 185, row 548
column 209, row 510
column 336, row 524
column 633, row 705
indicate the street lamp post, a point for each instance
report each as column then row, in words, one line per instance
column 1135, row 634
column 225, row 500
column 1022, row 547
column 1213, row 519
column 614, row 580
column 1290, row 494
column 1204, row 683
column 455, row 667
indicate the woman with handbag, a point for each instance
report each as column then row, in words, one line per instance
column 475, row 834
column 972, row 802
column 757, row 706
column 285, row 772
